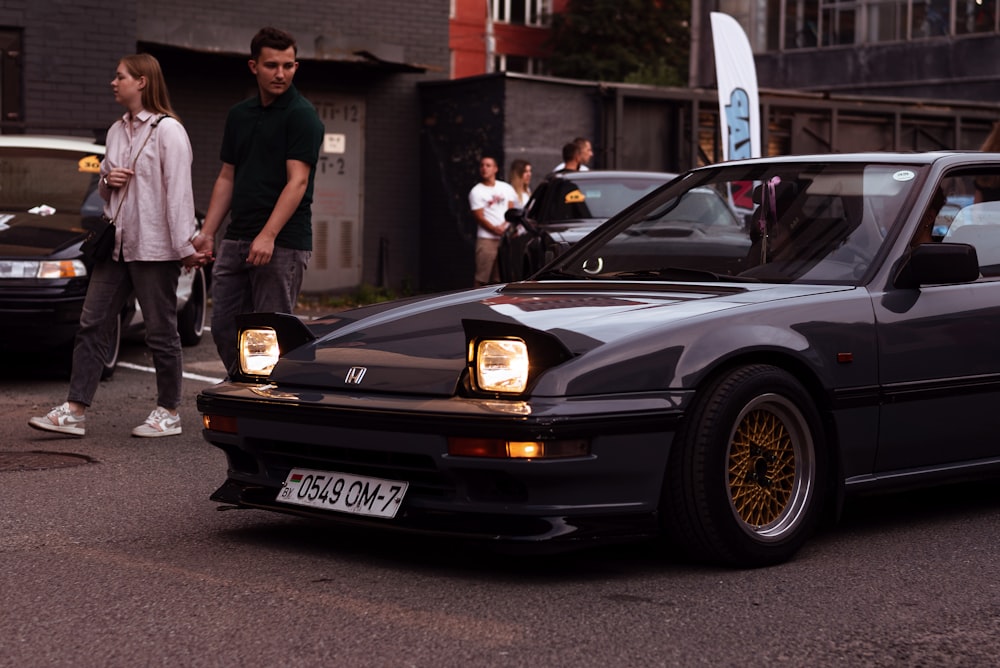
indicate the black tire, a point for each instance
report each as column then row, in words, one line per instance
column 191, row 319
column 745, row 481
column 114, row 348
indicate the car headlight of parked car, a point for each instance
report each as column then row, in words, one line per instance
column 42, row 269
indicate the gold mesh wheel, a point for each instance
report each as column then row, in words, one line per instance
column 770, row 466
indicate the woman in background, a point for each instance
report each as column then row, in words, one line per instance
column 520, row 179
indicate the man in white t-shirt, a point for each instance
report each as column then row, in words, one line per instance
column 489, row 200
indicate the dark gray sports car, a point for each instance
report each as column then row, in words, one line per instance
column 724, row 380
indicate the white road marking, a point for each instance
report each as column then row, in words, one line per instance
column 187, row 375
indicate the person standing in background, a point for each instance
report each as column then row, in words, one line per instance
column 583, row 155
column 571, row 159
column 520, row 181
column 146, row 186
column 270, row 148
column 489, row 200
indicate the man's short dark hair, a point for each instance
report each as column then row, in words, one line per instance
column 570, row 152
column 271, row 38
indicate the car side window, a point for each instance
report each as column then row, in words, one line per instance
column 971, row 215
column 979, row 226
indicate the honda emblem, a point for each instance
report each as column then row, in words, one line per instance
column 354, row 375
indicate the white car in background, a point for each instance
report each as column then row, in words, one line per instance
column 48, row 197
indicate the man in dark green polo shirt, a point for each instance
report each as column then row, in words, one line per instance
column 269, row 152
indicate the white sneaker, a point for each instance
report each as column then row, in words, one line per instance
column 61, row 419
column 159, row 423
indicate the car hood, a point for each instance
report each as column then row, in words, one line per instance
column 33, row 235
column 420, row 346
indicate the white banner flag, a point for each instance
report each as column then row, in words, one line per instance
column 739, row 108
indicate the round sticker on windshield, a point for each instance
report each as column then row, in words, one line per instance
column 904, row 175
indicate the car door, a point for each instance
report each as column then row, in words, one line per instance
column 518, row 245
column 940, row 358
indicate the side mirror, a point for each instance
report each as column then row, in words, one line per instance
column 936, row 264
column 515, row 216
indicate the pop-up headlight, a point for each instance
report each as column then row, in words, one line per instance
column 501, row 365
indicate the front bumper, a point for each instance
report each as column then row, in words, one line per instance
column 40, row 319
column 611, row 494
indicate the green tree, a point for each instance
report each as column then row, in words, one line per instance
column 634, row 41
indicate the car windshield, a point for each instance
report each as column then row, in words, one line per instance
column 31, row 178
column 594, row 197
column 778, row 222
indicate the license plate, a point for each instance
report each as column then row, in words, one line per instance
column 343, row 492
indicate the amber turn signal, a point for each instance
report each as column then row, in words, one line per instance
column 499, row 448
column 222, row 423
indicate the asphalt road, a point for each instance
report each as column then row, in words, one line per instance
column 111, row 554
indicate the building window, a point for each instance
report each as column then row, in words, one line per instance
column 519, row 64
column 886, row 21
column 522, row 12
column 838, row 21
column 774, row 25
column 931, row 19
column 801, row 25
column 976, row 17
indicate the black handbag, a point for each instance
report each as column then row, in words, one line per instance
column 100, row 241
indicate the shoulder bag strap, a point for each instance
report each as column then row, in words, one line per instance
column 136, row 160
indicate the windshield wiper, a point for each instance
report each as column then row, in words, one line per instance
column 683, row 274
column 670, row 273
column 555, row 273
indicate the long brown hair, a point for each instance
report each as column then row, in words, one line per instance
column 155, row 97
column 516, row 177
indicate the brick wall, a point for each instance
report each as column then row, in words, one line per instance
column 67, row 70
column 71, row 50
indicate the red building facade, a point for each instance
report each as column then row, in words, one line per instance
column 500, row 35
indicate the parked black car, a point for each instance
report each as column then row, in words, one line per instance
column 48, row 198
column 564, row 208
column 675, row 373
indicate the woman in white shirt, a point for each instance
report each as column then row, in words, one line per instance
column 145, row 182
